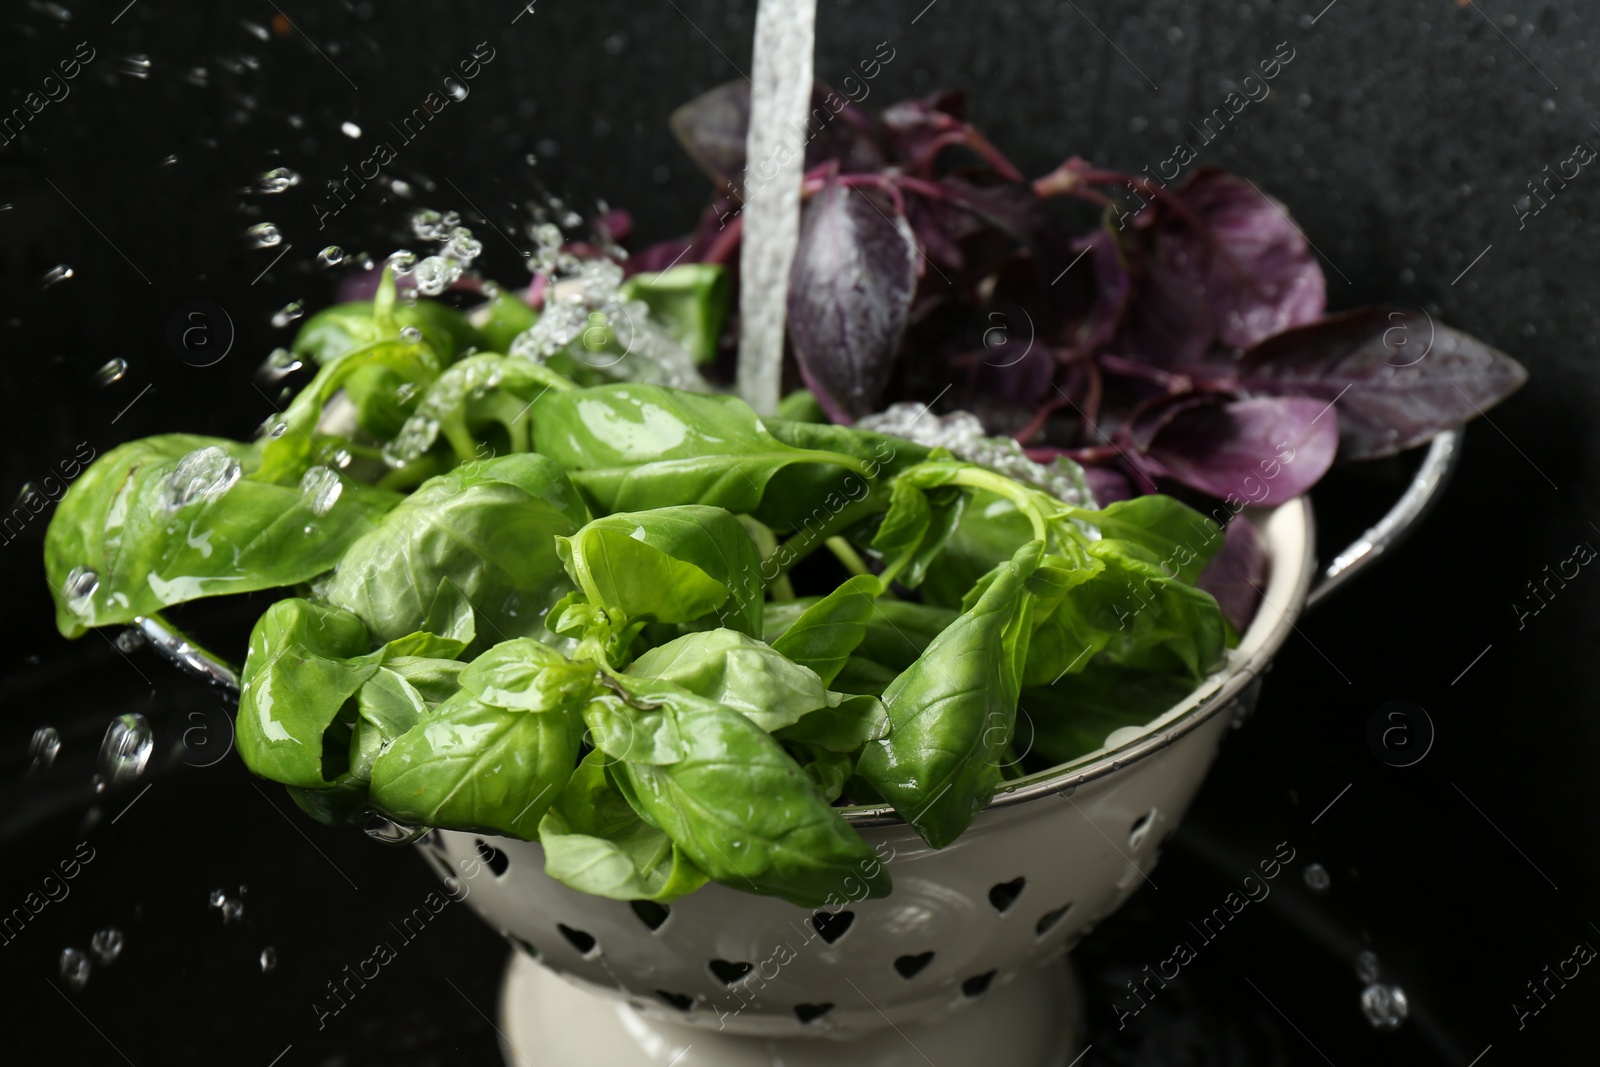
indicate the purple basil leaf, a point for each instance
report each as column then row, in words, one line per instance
column 1237, row 574
column 1399, row 377
column 850, row 288
column 1107, row 484
column 1264, row 450
column 711, row 128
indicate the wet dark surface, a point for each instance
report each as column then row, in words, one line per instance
column 1401, row 135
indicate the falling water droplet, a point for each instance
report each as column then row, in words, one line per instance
column 1316, row 876
column 232, row 911
column 254, row 29
column 55, row 11
column 111, row 371
column 1385, row 1006
column 126, row 748
column 320, row 488
column 331, row 256
column 130, row 640
column 59, row 273
column 288, row 313
column 277, row 180
column 436, row 274
column 402, row 262
column 269, row 960
column 106, row 945
column 1367, row 966
column 75, row 968
column 202, row 475
column 264, row 235
column 350, row 129
column 218, row 898
column 463, row 245
column 380, row 827
column 80, row 589
column 170, row 160
column 198, row 76
column 43, row 748
column 135, row 66
column 401, row 187
column 277, row 366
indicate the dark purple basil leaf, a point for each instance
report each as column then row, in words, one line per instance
column 1152, row 416
column 1399, row 377
column 711, row 128
column 1237, row 574
column 850, row 288
column 1107, row 484
column 921, row 127
column 1168, row 321
column 1264, row 450
column 1260, row 278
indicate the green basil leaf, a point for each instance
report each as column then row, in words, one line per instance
column 381, row 398
column 1074, row 716
column 337, row 331
column 827, row 769
column 916, row 527
column 689, row 301
column 1180, row 538
column 305, row 662
column 954, row 709
column 633, row 446
column 471, row 766
column 989, row 533
column 525, row 675
column 500, row 320
column 175, row 518
column 824, row 633
column 488, row 530
column 747, row 814
column 437, row 680
column 671, row 565
column 596, row 843
column 844, row 727
column 738, row 672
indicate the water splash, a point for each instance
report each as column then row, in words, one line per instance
column 59, row 273
column 1367, row 966
column 126, row 748
column 106, row 945
column 277, row 180
column 202, row 475
column 43, row 748
column 264, row 235
column 436, row 274
column 135, row 66
column 74, row 968
column 1385, row 1006
column 111, row 371
column 380, row 827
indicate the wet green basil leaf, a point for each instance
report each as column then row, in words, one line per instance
column 738, row 672
column 823, row 633
column 689, row 301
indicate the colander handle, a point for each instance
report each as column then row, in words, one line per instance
column 1444, row 455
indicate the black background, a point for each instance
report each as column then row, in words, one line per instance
column 1401, row 135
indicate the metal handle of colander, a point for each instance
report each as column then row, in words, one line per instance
column 1437, row 466
column 1443, row 456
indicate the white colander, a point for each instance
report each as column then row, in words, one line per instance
column 961, row 964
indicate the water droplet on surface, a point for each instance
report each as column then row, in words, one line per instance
column 74, row 968
column 126, row 748
column 320, row 489
column 1316, row 876
column 410, row 334
column 80, row 589
column 380, row 827
column 43, row 747
column 331, row 256
column 264, row 235
column 277, row 180
column 59, row 273
column 204, row 474
column 269, row 960
column 288, row 313
column 135, row 66
column 106, row 945
column 1385, row 1006
column 1367, row 966
column 350, row 129
column 111, row 371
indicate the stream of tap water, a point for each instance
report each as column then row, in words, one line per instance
column 779, row 99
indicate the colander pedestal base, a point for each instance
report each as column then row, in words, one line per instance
column 1036, row 1020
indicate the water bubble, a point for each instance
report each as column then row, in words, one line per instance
column 269, row 960
column 288, row 313
column 74, row 968
column 264, row 235
column 59, row 273
column 350, row 129
column 218, row 898
column 436, row 274
column 1367, row 966
column 232, row 911
column 135, row 66
column 1385, row 1006
column 401, row 262
column 106, row 945
column 380, row 827
column 320, row 489
column 126, row 748
column 80, row 589
column 111, row 371
column 202, row 475
column 277, row 180
column 1316, row 876
column 130, row 640
column 331, row 256
column 43, row 747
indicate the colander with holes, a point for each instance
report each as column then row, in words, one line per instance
column 964, row 963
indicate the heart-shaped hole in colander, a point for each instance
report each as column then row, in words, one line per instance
column 832, row 927
column 730, row 971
